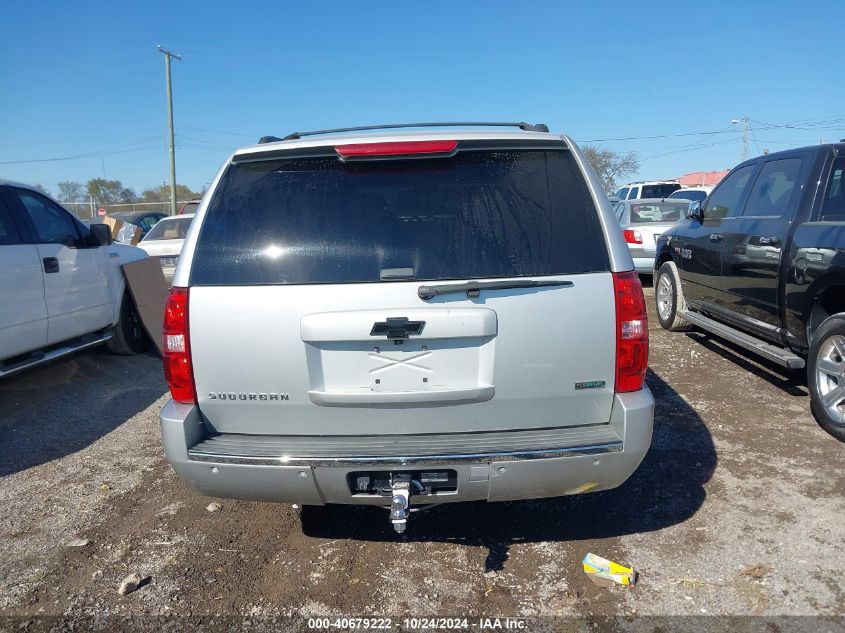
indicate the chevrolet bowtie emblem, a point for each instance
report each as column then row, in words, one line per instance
column 397, row 328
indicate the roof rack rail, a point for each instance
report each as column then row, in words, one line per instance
column 528, row 127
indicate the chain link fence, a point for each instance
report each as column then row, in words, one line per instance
column 89, row 210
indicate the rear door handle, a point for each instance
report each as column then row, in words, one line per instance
column 51, row 265
column 716, row 237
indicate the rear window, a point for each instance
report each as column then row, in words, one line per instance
column 659, row 191
column 658, row 212
column 169, row 230
column 477, row 214
column 694, row 196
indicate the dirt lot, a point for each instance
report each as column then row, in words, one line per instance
column 737, row 509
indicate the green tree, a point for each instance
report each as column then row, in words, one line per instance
column 611, row 166
column 70, row 191
column 109, row 191
column 162, row 194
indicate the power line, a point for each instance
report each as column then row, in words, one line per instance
column 817, row 123
column 637, row 138
column 754, row 136
column 224, row 132
column 95, row 154
column 691, row 148
column 805, row 124
column 811, row 124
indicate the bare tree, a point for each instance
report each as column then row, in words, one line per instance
column 610, row 166
column 70, row 191
column 183, row 192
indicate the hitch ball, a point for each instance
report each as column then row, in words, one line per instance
column 400, row 505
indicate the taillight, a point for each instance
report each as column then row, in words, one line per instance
column 633, row 237
column 177, row 347
column 395, row 148
column 631, row 332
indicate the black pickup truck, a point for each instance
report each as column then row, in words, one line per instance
column 761, row 263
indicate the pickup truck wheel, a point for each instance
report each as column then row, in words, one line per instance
column 669, row 298
column 129, row 336
column 826, row 375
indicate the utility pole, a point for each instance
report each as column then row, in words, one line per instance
column 167, row 57
column 745, row 124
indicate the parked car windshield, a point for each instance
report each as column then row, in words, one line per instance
column 642, row 213
column 476, row 214
column 173, row 229
column 693, row 196
column 659, row 191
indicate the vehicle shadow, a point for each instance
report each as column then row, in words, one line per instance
column 57, row 409
column 792, row 382
column 668, row 488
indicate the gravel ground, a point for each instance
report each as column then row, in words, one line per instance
column 737, row 510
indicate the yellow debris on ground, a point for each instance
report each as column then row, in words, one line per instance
column 605, row 572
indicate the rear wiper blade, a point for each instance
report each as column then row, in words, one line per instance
column 472, row 288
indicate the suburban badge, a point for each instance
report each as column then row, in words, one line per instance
column 590, row 384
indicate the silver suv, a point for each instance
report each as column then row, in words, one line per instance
column 406, row 319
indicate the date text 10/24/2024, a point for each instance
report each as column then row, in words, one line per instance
column 418, row 624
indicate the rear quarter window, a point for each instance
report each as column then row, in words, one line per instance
column 478, row 214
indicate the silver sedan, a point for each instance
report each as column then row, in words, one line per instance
column 643, row 221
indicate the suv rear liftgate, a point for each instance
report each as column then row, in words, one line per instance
column 398, row 316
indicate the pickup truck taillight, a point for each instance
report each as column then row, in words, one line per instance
column 177, row 347
column 633, row 237
column 631, row 332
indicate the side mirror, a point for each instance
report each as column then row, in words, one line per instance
column 101, row 234
column 695, row 212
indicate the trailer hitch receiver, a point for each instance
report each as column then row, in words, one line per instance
column 400, row 505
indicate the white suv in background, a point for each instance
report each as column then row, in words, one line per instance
column 648, row 189
column 61, row 284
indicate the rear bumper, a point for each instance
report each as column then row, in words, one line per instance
column 168, row 274
column 314, row 472
column 644, row 265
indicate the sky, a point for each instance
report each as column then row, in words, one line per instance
column 82, row 89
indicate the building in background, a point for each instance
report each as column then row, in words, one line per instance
column 699, row 178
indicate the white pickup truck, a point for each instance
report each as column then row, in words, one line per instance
column 61, row 284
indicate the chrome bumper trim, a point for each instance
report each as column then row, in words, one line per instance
column 358, row 461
